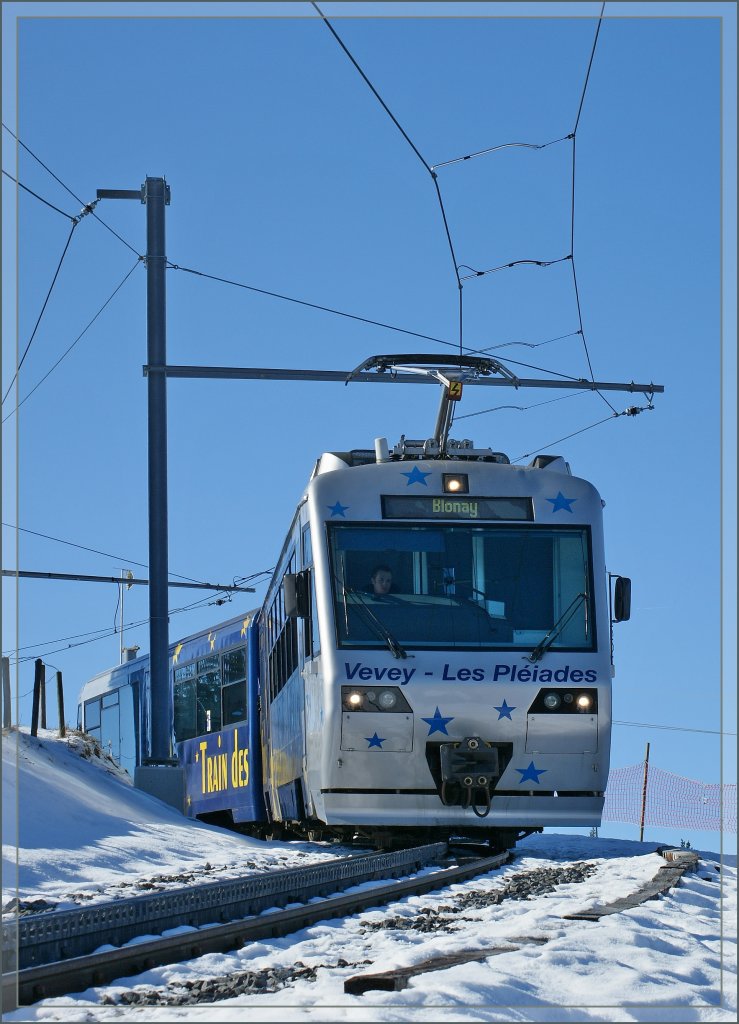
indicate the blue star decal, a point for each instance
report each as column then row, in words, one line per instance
column 438, row 723
column 504, row 711
column 417, row 476
column 338, row 509
column 560, row 502
column 375, row 741
column 530, row 774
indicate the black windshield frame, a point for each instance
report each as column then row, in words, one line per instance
column 463, row 613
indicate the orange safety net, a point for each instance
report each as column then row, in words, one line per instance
column 671, row 800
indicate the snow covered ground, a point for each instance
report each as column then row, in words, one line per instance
column 75, row 830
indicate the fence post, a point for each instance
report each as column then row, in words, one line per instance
column 42, row 698
column 60, row 702
column 38, row 676
column 6, row 694
column 644, row 795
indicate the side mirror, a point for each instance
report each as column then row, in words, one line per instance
column 296, row 590
column 622, row 599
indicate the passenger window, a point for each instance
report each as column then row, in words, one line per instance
column 92, row 715
column 234, row 703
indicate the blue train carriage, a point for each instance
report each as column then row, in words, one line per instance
column 474, row 696
column 214, row 680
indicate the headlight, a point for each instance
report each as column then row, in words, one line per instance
column 372, row 699
column 552, row 701
column 455, row 483
column 583, row 702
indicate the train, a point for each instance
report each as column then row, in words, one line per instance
column 433, row 659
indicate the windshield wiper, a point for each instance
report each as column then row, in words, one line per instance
column 538, row 652
column 379, row 627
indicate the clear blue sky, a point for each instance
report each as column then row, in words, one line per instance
column 287, row 175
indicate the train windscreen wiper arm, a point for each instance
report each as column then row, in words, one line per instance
column 379, row 627
column 538, row 652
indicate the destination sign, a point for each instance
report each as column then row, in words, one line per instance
column 402, row 506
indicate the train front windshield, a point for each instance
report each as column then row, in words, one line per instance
column 465, row 586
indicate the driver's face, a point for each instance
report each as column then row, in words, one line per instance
column 382, row 581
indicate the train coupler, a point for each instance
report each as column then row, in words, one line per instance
column 469, row 770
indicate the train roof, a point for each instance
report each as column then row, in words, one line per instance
column 235, row 621
column 404, row 451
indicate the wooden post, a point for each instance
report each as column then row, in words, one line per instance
column 42, row 697
column 7, row 718
column 644, row 795
column 38, row 676
column 60, row 703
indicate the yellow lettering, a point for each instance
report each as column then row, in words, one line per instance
column 203, row 748
column 235, row 761
column 466, row 508
column 210, row 775
column 244, row 767
column 223, row 771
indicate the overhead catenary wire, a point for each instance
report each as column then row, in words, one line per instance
column 512, row 263
column 378, row 323
column 415, row 149
column 391, row 327
column 494, row 149
column 310, row 305
column 37, row 196
column 85, row 206
column 525, row 344
column 521, row 408
column 572, row 203
column 104, row 631
column 95, row 551
column 38, row 321
column 107, row 632
column 571, row 136
column 434, row 177
column 631, row 411
column 78, row 338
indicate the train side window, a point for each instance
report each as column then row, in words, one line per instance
column 92, row 717
column 234, row 665
column 185, row 719
column 282, row 646
column 311, row 638
column 208, row 697
column 234, row 703
column 233, row 698
column 110, row 726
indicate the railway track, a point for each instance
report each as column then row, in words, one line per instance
column 279, row 904
column 57, row 952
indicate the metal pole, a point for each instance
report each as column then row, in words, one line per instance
column 42, row 699
column 644, row 795
column 6, row 694
column 120, row 602
column 60, row 704
column 156, row 195
column 37, row 676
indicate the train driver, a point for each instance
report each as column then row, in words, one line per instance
column 381, row 581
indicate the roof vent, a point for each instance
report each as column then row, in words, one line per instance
column 554, row 462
